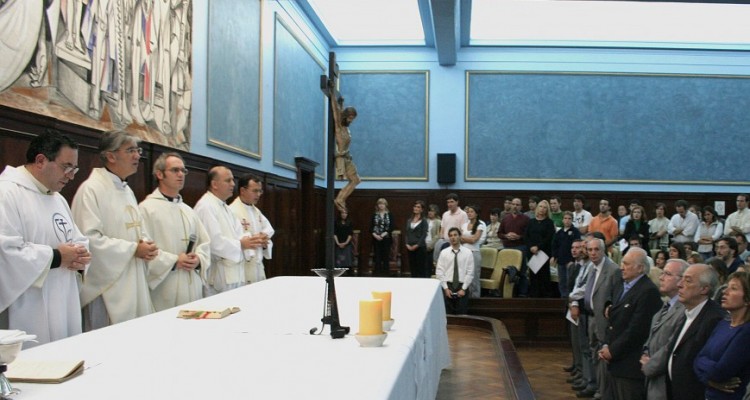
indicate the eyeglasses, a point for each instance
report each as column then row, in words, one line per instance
column 177, row 170
column 258, row 191
column 133, row 150
column 667, row 273
column 68, row 169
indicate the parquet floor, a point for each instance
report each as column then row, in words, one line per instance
column 476, row 372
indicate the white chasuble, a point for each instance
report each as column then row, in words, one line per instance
column 227, row 261
column 171, row 223
column 253, row 222
column 105, row 210
column 39, row 300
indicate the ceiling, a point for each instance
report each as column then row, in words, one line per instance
column 449, row 25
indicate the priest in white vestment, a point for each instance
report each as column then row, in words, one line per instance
column 42, row 252
column 230, row 247
column 105, row 208
column 255, row 225
column 174, row 277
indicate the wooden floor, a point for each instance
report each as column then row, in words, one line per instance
column 477, row 370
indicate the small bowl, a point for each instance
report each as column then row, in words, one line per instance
column 371, row 340
column 8, row 352
column 388, row 324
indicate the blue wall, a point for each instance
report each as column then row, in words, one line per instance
column 722, row 102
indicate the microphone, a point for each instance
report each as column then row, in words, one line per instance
column 191, row 243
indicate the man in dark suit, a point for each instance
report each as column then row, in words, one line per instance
column 701, row 316
column 634, row 303
column 665, row 324
column 603, row 277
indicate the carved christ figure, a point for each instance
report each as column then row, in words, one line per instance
column 345, row 168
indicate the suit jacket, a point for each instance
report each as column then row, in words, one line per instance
column 684, row 384
column 630, row 322
column 662, row 333
column 610, row 278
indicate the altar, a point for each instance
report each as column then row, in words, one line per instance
column 265, row 351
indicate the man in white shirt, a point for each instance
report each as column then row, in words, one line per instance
column 455, row 285
column 581, row 217
column 683, row 223
column 174, row 278
column 255, row 225
column 104, row 207
column 738, row 222
column 42, row 251
column 228, row 243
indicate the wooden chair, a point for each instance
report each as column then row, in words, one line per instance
column 507, row 258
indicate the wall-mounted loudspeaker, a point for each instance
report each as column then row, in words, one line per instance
column 446, row 168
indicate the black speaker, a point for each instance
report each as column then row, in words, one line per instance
column 446, row 166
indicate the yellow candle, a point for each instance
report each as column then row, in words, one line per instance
column 386, row 297
column 371, row 317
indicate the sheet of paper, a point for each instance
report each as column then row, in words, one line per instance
column 536, row 262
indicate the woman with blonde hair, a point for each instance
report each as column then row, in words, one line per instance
column 382, row 226
column 538, row 238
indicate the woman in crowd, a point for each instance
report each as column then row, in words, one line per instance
column 637, row 225
column 342, row 235
column 473, row 234
column 433, row 234
column 416, row 236
column 709, row 230
column 538, row 237
column 382, row 226
column 492, row 239
column 721, row 269
column 677, row 250
column 723, row 365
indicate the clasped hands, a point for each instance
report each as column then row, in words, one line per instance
column 74, row 256
column 727, row 387
column 254, row 241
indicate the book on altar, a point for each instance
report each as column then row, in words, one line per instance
column 203, row 314
column 43, row 371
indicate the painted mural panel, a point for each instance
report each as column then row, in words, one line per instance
column 234, row 60
column 390, row 134
column 299, row 105
column 104, row 64
column 606, row 127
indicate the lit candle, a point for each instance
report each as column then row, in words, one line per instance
column 386, row 297
column 371, row 317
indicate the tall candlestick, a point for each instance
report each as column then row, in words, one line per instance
column 371, row 317
column 386, row 297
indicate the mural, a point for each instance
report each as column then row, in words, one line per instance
column 104, row 64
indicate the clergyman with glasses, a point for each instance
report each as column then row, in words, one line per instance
column 105, row 209
column 42, row 250
column 254, row 225
column 177, row 276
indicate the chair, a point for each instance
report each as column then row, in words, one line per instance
column 654, row 252
column 489, row 255
column 508, row 258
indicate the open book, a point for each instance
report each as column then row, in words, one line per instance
column 31, row 371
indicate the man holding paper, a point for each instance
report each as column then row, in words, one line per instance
column 41, row 249
column 175, row 278
column 455, row 271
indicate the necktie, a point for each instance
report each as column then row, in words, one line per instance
column 456, row 284
column 590, row 289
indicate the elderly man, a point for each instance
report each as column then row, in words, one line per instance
column 663, row 327
column 701, row 316
column 602, row 278
column 633, row 305
column 228, row 242
column 174, row 278
column 104, row 207
column 42, row 251
column 255, row 225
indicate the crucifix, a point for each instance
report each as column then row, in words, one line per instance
column 331, row 309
